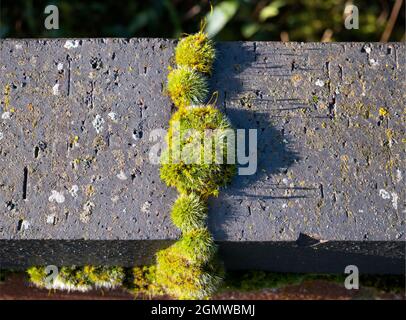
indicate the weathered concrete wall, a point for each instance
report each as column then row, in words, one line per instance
column 74, row 144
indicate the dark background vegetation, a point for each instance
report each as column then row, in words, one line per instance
column 294, row 20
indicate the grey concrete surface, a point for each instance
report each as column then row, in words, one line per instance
column 76, row 118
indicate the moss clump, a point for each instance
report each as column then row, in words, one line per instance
column 195, row 162
column 186, row 87
column 196, row 51
column 144, row 281
column 104, row 277
column 196, row 246
column 183, row 279
column 37, row 276
column 184, row 162
column 78, row 278
column 189, row 212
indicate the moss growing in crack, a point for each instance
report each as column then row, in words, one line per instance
column 189, row 212
column 185, row 280
column 196, row 246
column 191, row 163
column 196, row 162
column 196, row 51
column 186, row 87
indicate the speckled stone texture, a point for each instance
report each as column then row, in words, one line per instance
column 77, row 185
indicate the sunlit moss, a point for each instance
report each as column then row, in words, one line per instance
column 144, row 281
column 196, row 51
column 104, row 276
column 189, row 212
column 184, row 164
column 77, row 278
column 186, row 87
column 37, row 276
column 196, row 246
column 184, row 280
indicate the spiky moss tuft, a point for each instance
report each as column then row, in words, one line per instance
column 196, row 246
column 78, row 278
column 186, row 87
column 189, row 212
column 184, row 280
column 184, row 162
column 196, row 51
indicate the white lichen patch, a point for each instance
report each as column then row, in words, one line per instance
column 25, row 225
column 113, row 116
column 6, row 115
column 18, row 46
column 56, row 196
column 146, row 206
column 98, row 123
column 319, row 83
column 395, row 198
column 71, row 44
column 367, row 49
column 87, row 212
column 1, row 135
column 51, row 219
column 122, row 175
column 74, row 191
column 398, row 175
column 384, row 194
column 55, row 89
column 59, row 66
column 373, row 62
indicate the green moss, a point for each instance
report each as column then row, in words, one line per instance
column 104, row 276
column 184, row 162
column 189, row 212
column 196, row 51
column 75, row 278
column 186, row 87
column 144, row 281
column 37, row 276
column 184, row 280
column 195, row 162
column 196, row 246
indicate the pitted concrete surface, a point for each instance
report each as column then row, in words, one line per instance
column 76, row 118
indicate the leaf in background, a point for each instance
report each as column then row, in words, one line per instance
column 271, row 10
column 222, row 13
column 249, row 29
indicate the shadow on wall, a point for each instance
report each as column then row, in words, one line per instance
column 273, row 153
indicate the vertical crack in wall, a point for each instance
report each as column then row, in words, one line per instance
column 25, row 181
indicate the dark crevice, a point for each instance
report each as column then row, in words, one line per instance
column 25, row 180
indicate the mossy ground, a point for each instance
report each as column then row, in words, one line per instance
column 74, row 278
column 141, row 281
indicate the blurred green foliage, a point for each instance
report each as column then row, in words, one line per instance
column 296, row 20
